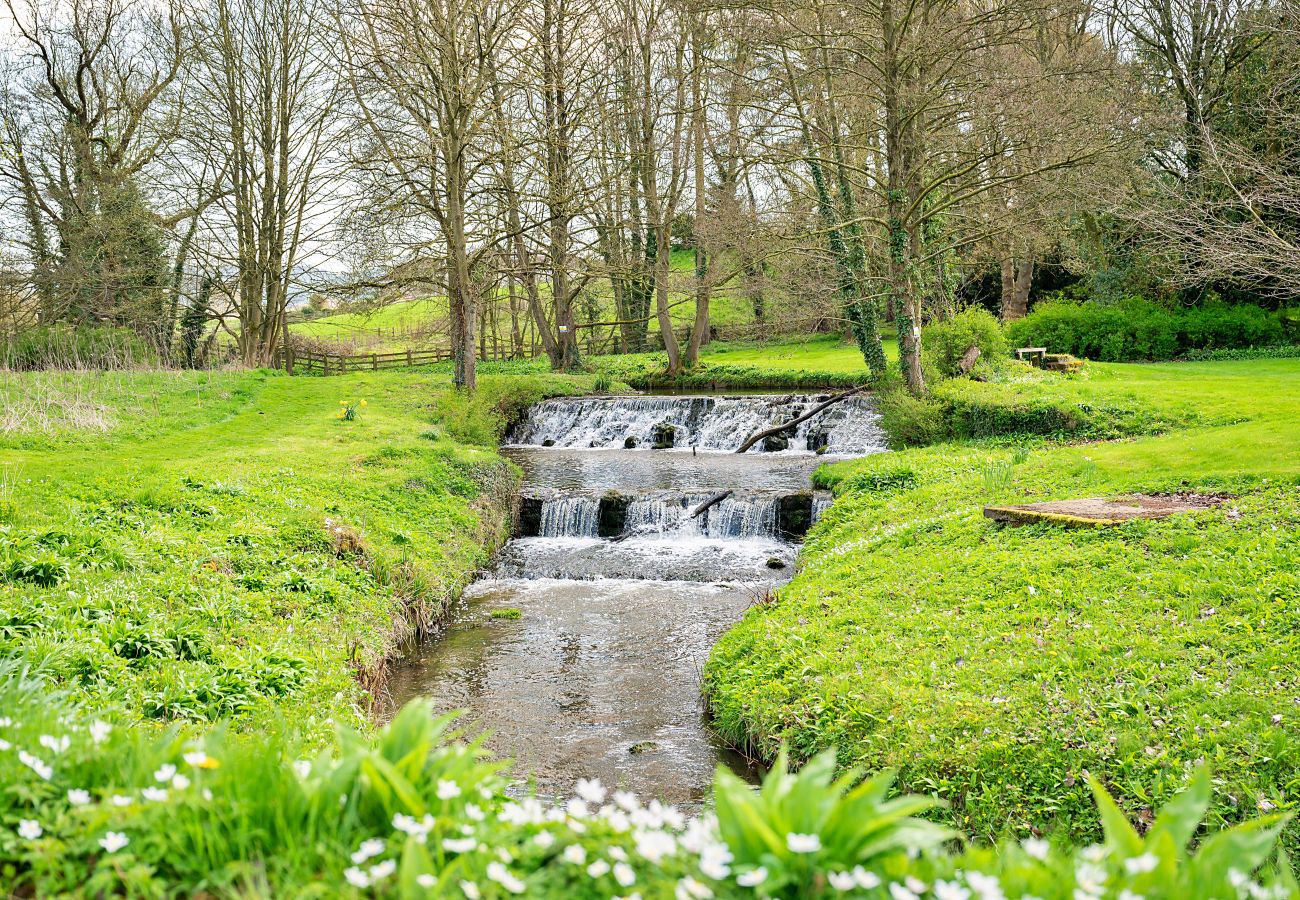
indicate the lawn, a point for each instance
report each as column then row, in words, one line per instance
column 996, row 667
column 199, row 546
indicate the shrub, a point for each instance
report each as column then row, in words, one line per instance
column 1137, row 329
column 946, row 342
column 912, row 421
column 77, row 347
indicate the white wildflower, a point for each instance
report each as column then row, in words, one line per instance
column 654, row 845
column 590, row 790
column 577, row 808
column 690, row 889
column 380, row 871
column 543, row 839
column 575, row 853
column 624, row 874
column 301, row 768
column 164, row 773
column 99, row 731
column 949, row 890
column 447, row 789
column 121, row 800
column 915, row 885
column 598, row 868
column 898, row 892
column 180, row 782
column 368, row 849
column 426, row 881
column 470, row 890
column 715, row 861
column 154, row 795
column 1126, row 894
column 55, row 745
column 803, row 843
column 986, row 886
column 864, row 879
column 501, row 875
column 1147, row 862
column 617, row 853
column 1036, row 847
column 1095, row 853
column 113, row 841
column 196, row 758
column 627, row 800
column 5, row 721
column 474, row 811
column 459, row 845
column 36, row 765
column 752, row 878
column 841, row 881
column 5, row 745
column 356, row 877
column 78, row 797
column 29, row 829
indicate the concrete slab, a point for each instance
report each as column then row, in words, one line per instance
column 1093, row 511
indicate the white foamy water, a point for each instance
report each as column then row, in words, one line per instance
column 704, row 423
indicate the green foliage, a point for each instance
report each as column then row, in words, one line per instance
column 212, row 546
column 995, row 666
column 1137, row 329
column 96, row 809
column 944, row 343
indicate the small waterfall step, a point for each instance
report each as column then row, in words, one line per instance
column 714, row 423
column 547, row 514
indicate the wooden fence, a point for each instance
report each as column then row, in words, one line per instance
column 321, row 363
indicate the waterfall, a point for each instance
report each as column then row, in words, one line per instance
column 821, row 503
column 742, row 518
column 661, row 516
column 570, row 517
column 705, row 423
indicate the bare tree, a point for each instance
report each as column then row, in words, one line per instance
column 422, row 73
column 266, row 96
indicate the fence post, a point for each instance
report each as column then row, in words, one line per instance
column 374, row 361
column 409, row 359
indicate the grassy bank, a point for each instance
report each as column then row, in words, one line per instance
column 211, row 546
column 996, row 667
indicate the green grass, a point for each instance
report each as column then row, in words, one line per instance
column 995, row 666
column 203, row 546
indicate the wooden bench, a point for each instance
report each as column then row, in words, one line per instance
column 1033, row 354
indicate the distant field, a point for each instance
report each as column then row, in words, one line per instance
column 418, row 322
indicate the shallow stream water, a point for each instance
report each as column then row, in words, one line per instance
column 599, row 673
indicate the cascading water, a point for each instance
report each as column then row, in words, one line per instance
column 702, row 423
column 609, row 600
column 569, row 517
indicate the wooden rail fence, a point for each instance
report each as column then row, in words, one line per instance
column 319, row 362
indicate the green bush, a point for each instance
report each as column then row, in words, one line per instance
column 76, row 347
column 946, row 342
column 1137, row 329
column 911, row 421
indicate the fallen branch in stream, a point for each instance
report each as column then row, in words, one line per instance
column 798, row 420
column 716, row 498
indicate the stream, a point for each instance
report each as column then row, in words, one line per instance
column 619, row 592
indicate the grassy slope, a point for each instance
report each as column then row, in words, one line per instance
column 193, row 512
column 726, row 308
column 995, row 666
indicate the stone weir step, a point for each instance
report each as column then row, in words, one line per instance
column 614, row 514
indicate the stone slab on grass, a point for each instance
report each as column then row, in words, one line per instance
column 1092, row 511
